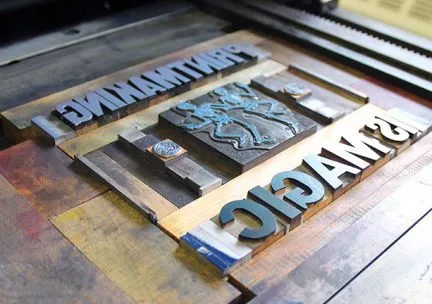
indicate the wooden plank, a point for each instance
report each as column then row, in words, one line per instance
column 288, row 53
column 38, row 265
column 129, row 187
column 47, row 177
column 143, row 169
column 17, row 120
column 208, row 206
column 328, row 270
column 143, row 261
column 268, row 270
column 329, row 83
column 388, row 96
column 215, row 246
column 145, row 118
column 180, row 166
column 401, row 274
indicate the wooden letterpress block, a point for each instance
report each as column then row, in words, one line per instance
column 309, row 186
column 394, row 137
column 331, row 84
column 337, row 176
column 174, row 159
column 51, row 129
column 299, row 97
column 166, row 151
column 131, row 189
column 137, row 140
column 269, row 85
column 202, row 181
column 196, row 177
column 216, row 246
column 295, row 92
column 288, row 214
column 423, row 125
column 130, row 136
column 413, row 132
column 361, row 151
column 319, row 110
column 242, row 221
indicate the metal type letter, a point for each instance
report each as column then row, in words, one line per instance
column 320, row 165
column 241, row 49
column 274, row 203
column 397, row 135
column 227, row 58
column 305, row 183
column 96, row 104
column 166, row 78
column 126, row 92
column 267, row 219
column 147, row 87
column 180, row 66
column 359, row 147
column 73, row 113
column 111, row 98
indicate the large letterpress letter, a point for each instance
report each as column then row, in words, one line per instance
column 266, row 218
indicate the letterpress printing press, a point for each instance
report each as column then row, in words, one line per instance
column 211, row 151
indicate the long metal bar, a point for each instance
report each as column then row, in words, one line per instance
column 375, row 28
column 352, row 38
column 247, row 16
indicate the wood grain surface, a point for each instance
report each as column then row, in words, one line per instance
column 264, row 272
column 143, row 261
column 38, row 265
column 126, row 185
column 330, row 269
column 47, row 177
column 402, row 274
column 207, row 207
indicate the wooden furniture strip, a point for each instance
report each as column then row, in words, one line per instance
column 107, row 134
column 178, row 223
column 266, row 271
column 47, row 177
column 38, row 265
column 343, row 258
column 290, row 53
column 16, row 121
column 137, row 256
column 401, row 274
column 126, row 185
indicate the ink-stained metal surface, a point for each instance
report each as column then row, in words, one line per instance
column 47, row 178
column 241, row 123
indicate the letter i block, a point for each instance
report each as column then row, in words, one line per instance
column 302, row 190
column 216, row 246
